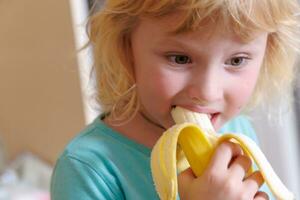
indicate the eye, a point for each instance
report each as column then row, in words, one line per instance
column 237, row 61
column 179, row 59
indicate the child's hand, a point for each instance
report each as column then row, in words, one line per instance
column 224, row 178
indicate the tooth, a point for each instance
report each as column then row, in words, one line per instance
column 197, row 138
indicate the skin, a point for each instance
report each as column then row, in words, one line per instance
column 209, row 71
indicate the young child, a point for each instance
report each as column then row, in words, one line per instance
column 210, row 56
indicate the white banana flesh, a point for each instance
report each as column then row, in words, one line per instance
column 195, row 136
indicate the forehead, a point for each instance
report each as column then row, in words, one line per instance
column 159, row 34
column 167, row 27
column 243, row 17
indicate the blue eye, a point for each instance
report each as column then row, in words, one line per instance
column 179, row 59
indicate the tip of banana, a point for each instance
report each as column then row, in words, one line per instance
column 182, row 115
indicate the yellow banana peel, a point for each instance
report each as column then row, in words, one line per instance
column 191, row 143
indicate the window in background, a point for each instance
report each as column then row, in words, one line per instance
column 80, row 10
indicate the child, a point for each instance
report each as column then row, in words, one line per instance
column 210, row 56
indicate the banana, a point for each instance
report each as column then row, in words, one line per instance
column 191, row 143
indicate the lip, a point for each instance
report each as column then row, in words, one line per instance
column 214, row 118
column 199, row 109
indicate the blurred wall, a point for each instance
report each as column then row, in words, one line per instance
column 40, row 98
column 278, row 136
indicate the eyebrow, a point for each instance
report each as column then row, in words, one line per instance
column 173, row 40
column 183, row 44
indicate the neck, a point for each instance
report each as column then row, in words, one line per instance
column 152, row 122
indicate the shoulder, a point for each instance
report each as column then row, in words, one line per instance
column 99, row 142
column 74, row 178
column 83, row 167
column 98, row 164
column 96, row 146
column 94, row 142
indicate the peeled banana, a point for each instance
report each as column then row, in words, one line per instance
column 190, row 143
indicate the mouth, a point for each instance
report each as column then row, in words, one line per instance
column 212, row 114
column 213, row 117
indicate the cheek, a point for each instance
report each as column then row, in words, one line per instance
column 242, row 95
column 156, row 90
column 241, row 92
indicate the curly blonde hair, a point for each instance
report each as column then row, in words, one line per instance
column 110, row 32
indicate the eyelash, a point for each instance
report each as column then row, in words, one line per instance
column 173, row 59
column 230, row 64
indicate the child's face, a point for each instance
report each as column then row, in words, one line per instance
column 211, row 72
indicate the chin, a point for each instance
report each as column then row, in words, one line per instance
column 169, row 124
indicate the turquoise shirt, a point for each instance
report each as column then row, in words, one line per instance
column 100, row 163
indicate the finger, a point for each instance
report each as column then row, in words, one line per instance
column 223, row 155
column 261, row 196
column 184, row 180
column 254, row 182
column 240, row 166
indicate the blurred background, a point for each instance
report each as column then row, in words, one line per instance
column 44, row 102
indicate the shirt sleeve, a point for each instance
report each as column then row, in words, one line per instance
column 74, row 179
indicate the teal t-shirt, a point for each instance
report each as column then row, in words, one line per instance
column 100, row 163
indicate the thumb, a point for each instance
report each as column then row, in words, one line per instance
column 185, row 178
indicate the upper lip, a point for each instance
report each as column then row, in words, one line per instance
column 199, row 109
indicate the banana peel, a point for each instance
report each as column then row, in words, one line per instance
column 191, row 143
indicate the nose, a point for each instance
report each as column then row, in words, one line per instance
column 206, row 86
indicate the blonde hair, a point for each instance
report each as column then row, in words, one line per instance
column 110, row 31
